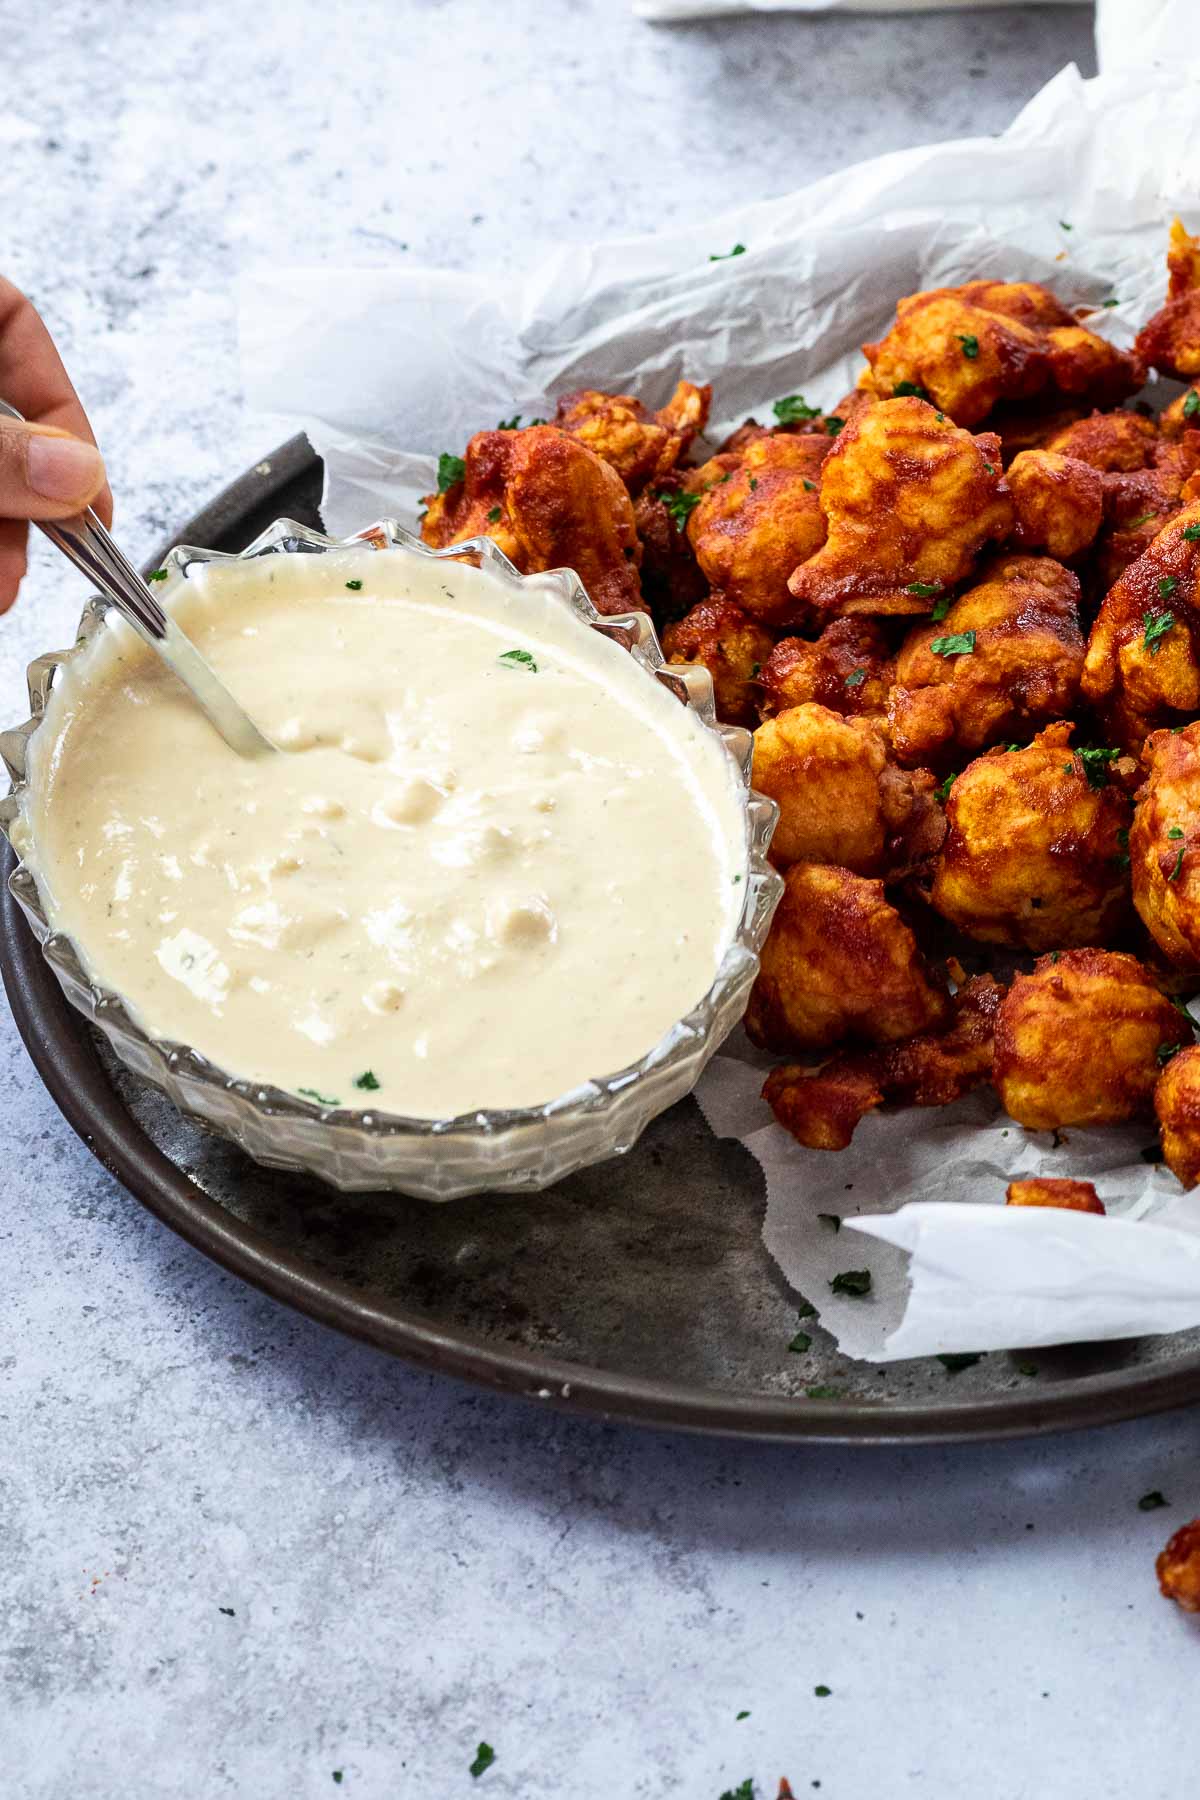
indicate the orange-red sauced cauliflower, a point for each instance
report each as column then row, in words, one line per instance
column 1177, row 1104
column 1058, row 502
column 849, row 668
column 1178, row 1568
column 731, row 646
column 1164, row 845
column 759, row 517
column 1055, row 1190
column 1170, row 341
column 639, row 445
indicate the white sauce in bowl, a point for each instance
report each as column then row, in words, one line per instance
column 499, row 859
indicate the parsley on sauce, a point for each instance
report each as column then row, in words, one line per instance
column 451, row 470
column 955, row 643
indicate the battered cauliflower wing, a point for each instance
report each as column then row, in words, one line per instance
column 1034, row 853
column 849, row 668
column 840, row 962
column 1078, row 1041
column 1113, row 442
column 840, row 799
column 1139, row 502
column 1007, row 655
column 1055, row 1190
column 1170, row 341
column 732, row 647
column 1164, row 845
column 1178, row 1568
column 1182, row 415
column 910, row 500
column 1058, row 502
column 970, row 347
column 759, row 517
column 1177, row 1104
column 1141, row 666
column 639, row 445
column 821, row 1108
column 548, row 502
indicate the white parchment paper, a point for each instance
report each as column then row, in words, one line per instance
column 384, row 368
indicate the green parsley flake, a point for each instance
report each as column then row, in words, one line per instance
column 806, row 1310
column 1191, row 534
column 519, row 659
column 1191, row 405
column 679, row 503
column 539, row 421
column 742, row 1715
column 822, row 1692
column 354, row 586
column 158, row 575
column 1065, row 226
column 956, row 643
column 956, row 1361
column 743, row 1791
column 1142, row 519
column 833, row 424
column 855, row 678
column 1029, row 1370
column 754, row 484
column 1174, row 875
column 1165, row 1052
column 724, row 256
column 1110, row 303
column 367, row 1081
column 1167, row 586
column 1175, row 832
column 924, row 590
column 909, row 387
column 800, row 1343
column 970, row 344
column 1157, row 626
column 1094, row 762
column 493, row 515
column 940, row 608
column 940, row 417
column 810, row 487
column 1153, row 1501
column 989, row 468
column 509, row 424
column 942, row 792
column 485, row 1756
column 794, row 409
column 822, row 1393
column 852, row 1281
column 451, row 469
column 834, row 1220
column 321, row 1099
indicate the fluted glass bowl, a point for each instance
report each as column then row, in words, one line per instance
column 506, row 1151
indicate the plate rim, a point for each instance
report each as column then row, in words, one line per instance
column 66, row 1060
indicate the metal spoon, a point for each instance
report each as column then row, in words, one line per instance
column 84, row 542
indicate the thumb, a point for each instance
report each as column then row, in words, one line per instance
column 46, row 473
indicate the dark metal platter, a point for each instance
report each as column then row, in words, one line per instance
column 639, row 1290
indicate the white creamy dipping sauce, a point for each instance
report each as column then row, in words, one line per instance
column 497, row 860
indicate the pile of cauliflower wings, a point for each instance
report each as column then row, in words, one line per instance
column 960, row 612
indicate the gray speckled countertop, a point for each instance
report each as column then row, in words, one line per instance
column 238, row 1554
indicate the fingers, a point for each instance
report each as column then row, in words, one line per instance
column 44, row 473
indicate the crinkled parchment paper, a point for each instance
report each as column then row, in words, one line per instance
column 384, row 368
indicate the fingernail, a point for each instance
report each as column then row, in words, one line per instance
column 62, row 468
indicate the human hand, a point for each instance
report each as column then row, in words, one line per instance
column 49, row 466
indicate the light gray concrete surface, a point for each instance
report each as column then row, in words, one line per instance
column 237, row 1554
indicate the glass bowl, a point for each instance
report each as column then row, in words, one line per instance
column 505, row 1151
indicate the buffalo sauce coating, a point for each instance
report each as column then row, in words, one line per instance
column 495, row 860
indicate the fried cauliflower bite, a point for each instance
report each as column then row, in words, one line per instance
column 758, row 518
column 1078, row 1041
column 1113, row 442
column 910, row 500
column 821, row 1108
column 1031, row 425
column 1138, row 503
column 849, row 668
column 1164, row 845
column 840, row 962
column 840, row 799
column 1177, row 1105
column 640, row 445
column 732, row 647
column 1141, row 665
column 1170, row 341
column 1007, row 655
column 1034, row 855
column 1182, row 415
column 970, row 347
column 548, row 502
column 1055, row 1190
column 1178, row 1568
column 1058, row 502
column 672, row 580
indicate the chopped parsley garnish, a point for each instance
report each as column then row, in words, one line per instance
column 1192, row 533
column 493, row 515
column 833, row 424
column 970, row 344
column 1165, row 1052
column 942, row 792
column 855, row 678
column 1167, row 586
column 956, row 643
column 1142, row 519
column 1174, row 875
column 852, row 1281
column 924, row 590
column 810, row 487
column 1175, row 832
column 1110, row 303
column 539, row 421
column 743, row 1791
column 158, row 575
column 909, row 387
column 742, row 1715
column 451, row 469
column 321, row 1099
column 724, row 255
column 793, row 409
column 485, row 1756
column 1065, row 226
column 519, row 659
column 367, row 1081
column 754, row 671
column 989, row 469
column 940, row 417
column 1181, row 1006
column 941, row 607
column 806, row 1310
column 957, row 1361
column 1152, row 1501
column 1122, row 861
column 832, row 1219
column 228, row 1611
column 753, row 484
column 354, row 586
column 822, row 1393
column 1157, row 626
column 1191, row 404
column 1094, row 766
column 1029, row 1370
column 509, row 424
column 679, row 504
column 822, row 1692
column 800, row 1343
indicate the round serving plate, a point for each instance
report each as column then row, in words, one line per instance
column 637, row 1290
